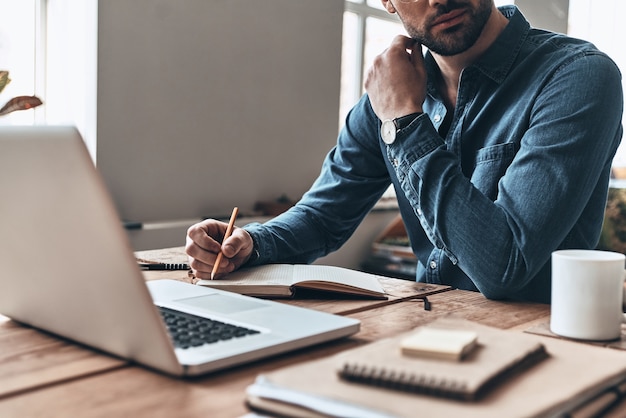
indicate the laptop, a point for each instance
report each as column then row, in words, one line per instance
column 67, row 268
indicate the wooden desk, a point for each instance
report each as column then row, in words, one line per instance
column 50, row 377
column 134, row 391
column 30, row 360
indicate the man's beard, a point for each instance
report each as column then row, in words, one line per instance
column 456, row 39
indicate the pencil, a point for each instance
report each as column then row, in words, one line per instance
column 229, row 231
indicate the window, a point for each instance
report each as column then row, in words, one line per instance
column 367, row 30
column 20, row 41
column 71, row 68
column 65, row 32
column 67, row 80
column 601, row 23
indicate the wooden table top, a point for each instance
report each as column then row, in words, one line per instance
column 30, row 359
column 46, row 374
column 43, row 375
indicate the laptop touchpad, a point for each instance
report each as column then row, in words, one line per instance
column 221, row 303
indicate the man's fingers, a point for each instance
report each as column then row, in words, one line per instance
column 206, row 235
column 417, row 57
column 203, row 244
column 235, row 243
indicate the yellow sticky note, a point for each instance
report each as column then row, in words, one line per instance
column 439, row 343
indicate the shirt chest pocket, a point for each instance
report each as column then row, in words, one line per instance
column 490, row 165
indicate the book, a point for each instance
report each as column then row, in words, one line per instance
column 571, row 378
column 283, row 280
column 393, row 243
column 438, row 343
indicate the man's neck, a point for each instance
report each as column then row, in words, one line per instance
column 452, row 66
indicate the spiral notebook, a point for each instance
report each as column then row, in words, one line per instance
column 572, row 376
column 492, row 360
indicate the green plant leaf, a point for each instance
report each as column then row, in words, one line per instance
column 4, row 80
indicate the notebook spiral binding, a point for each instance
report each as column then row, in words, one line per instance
column 176, row 266
column 164, row 266
column 403, row 381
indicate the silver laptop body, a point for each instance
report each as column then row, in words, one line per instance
column 67, row 267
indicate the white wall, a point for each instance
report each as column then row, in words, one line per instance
column 207, row 104
column 601, row 22
column 546, row 14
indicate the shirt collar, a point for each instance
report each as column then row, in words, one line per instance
column 497, row 61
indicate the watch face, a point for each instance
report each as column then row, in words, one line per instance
column 388, row 131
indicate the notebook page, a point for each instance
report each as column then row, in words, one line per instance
column 333, row 274
column 269, row 274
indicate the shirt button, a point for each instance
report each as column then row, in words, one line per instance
column 437, row 118
column 419, row 212
column 395, row 162
column 433, row 264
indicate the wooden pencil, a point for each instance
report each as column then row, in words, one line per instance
column 229, row 231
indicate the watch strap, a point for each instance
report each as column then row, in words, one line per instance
column 404, row 121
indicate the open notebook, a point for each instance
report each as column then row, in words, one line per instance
column 67, row 268
column 284, row 280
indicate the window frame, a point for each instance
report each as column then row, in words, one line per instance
column 362, row 12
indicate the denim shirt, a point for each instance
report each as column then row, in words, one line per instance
column 523, row 169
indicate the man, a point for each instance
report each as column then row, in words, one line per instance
column 498, row 142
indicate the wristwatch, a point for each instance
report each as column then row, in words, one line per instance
column 391, row 127
column 388, row 131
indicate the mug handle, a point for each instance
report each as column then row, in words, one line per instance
column 624, row 299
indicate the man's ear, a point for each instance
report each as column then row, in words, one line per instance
column 389, row 6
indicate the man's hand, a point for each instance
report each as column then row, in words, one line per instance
column 396, row 82
column 203, row 245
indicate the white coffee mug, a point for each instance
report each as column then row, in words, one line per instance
column 587, row 294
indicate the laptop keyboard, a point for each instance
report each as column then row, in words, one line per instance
column 188, row 330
